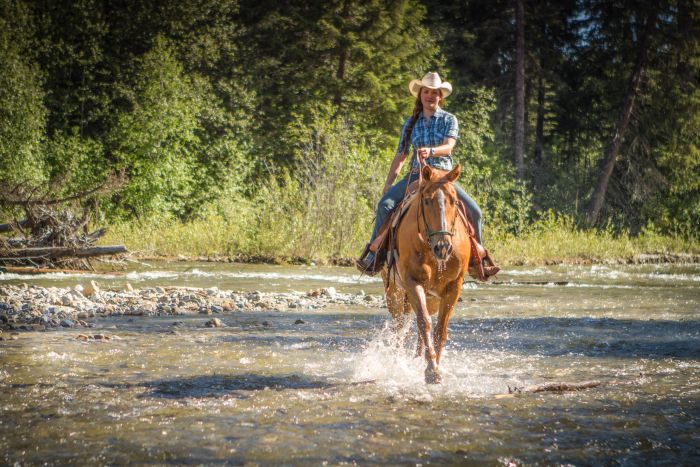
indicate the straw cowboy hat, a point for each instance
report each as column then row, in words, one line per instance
column 431, row 80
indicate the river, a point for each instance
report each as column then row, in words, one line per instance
column 335, row 386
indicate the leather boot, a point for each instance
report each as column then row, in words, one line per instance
column 369, row 262
column 489, row 267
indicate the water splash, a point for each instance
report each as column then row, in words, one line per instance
column 389, row 360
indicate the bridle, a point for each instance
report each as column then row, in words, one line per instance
column 421, row 213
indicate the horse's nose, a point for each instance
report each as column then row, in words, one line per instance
column 442, row 249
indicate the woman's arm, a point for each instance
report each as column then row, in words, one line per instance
column 394, row 170
column 444, row 149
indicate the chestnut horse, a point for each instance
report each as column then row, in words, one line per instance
column 433, row 256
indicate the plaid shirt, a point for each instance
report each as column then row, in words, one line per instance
column 442, row 125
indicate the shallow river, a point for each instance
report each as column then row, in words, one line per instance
column 339, row 389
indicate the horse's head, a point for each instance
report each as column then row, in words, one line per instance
column 438, row 199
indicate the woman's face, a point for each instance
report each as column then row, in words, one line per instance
column 430, row 98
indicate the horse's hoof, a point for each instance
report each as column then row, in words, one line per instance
column 433, row 376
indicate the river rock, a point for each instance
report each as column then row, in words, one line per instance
column 77, row 294
column 329, row 292
column 66, row 300
column 300, row 321
column 214, row 323
column 266, row 304
column 128, row 288
column 91, row 289
column 66, row 323
column 82, row 337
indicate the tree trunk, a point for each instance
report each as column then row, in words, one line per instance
column 342, row 58
column 611, row 153
column 520, row 90
column 539, row 128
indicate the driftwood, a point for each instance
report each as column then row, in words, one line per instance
column 59, row 252
column 33, row 270
column 54, row 232
column 555, row 387
column 6, row 228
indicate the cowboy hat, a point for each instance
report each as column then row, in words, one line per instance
column 431, row 80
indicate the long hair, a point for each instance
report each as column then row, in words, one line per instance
column 417, row 109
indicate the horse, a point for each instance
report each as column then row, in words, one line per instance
column 433, row 247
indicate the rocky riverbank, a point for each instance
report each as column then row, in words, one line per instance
column 32, row 308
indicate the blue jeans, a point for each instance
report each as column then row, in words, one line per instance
column 395, row 195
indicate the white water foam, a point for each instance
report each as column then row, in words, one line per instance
column 389, row 361
column 303, row 277
column 7, row 276
column 150, row 275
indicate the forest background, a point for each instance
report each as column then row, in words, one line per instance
column 266, row 128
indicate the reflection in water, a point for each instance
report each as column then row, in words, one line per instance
column 341, row 387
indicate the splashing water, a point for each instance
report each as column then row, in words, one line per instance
column 345, row 387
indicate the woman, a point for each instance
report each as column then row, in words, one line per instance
column 433, row 134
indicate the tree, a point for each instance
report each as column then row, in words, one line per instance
column 519, row 131
column 154, row 141
column 355, row 55
column 22, row 111
column 613, row 149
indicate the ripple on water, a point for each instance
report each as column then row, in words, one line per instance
column 343, row 388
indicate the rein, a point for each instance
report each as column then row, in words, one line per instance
column 421, row 210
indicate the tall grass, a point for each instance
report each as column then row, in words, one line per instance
column 324, row 206
column 554, row 239
column 282, row 231
column 324, row 210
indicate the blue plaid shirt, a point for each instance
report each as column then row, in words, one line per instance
column 441, row 125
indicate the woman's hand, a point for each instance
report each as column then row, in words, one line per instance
column 423, row 153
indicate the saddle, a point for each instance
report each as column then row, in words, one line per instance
column 384, row 246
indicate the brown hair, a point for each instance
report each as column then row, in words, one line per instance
column 417, row 109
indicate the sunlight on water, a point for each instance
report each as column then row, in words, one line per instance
column 343, row 387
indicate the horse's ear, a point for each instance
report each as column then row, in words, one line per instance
column 427, row 172
column 454, row 173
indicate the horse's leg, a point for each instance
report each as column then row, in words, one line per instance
column 420, row 347
column 447, row 305
column 416, row 295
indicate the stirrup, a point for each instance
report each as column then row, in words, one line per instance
column 488, row 266
column 369, row 267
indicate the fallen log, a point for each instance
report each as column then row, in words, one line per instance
column 33, row 270
column 5, row 228
column 555, row 387
column 562, row 387
column 60, row 252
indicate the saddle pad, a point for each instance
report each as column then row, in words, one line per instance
column 402, row 208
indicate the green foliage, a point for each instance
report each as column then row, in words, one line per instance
column 274, row 123
column 22, row 111
column 154, row 140
column 354, row 55
column 77, row 161
column 325, row 207
column 505, row 203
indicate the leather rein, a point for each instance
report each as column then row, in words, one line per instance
column 432, row 233
column 421, row 211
